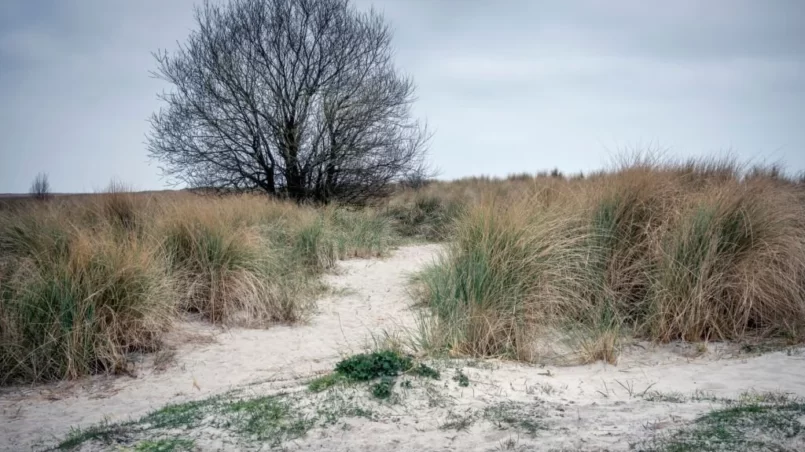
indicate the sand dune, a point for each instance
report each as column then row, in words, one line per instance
column 591, row 407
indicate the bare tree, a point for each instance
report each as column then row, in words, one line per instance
column 40, row 187
column 292, row 97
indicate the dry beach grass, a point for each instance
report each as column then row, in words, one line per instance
column 694, row 251
column 85, row 280
column 544, row 269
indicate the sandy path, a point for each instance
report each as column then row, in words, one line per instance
column 584, row 407
column 372, row 297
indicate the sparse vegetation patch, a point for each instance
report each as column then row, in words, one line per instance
column 526, row 418
column 761, row 424
column 461, row 378
column 385, row 365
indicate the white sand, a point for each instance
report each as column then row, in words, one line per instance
column 584, row 407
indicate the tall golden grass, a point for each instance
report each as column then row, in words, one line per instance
column 663, row 251
column 535, row 266
column 84, row 280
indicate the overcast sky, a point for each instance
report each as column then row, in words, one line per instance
column 507, row 86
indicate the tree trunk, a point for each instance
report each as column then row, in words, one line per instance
column 294, row 179
column 271, row 186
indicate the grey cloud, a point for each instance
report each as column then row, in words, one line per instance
column 535, row 84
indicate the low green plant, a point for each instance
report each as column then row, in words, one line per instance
column 383, row 388
column 385, row 365
column 461, row 378
column 425, row 371
column 368, row 366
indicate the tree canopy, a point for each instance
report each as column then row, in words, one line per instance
column 299, row 98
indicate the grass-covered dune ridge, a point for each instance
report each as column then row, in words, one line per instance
column 85, row 280
column 535, row 265
column 662, row 251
